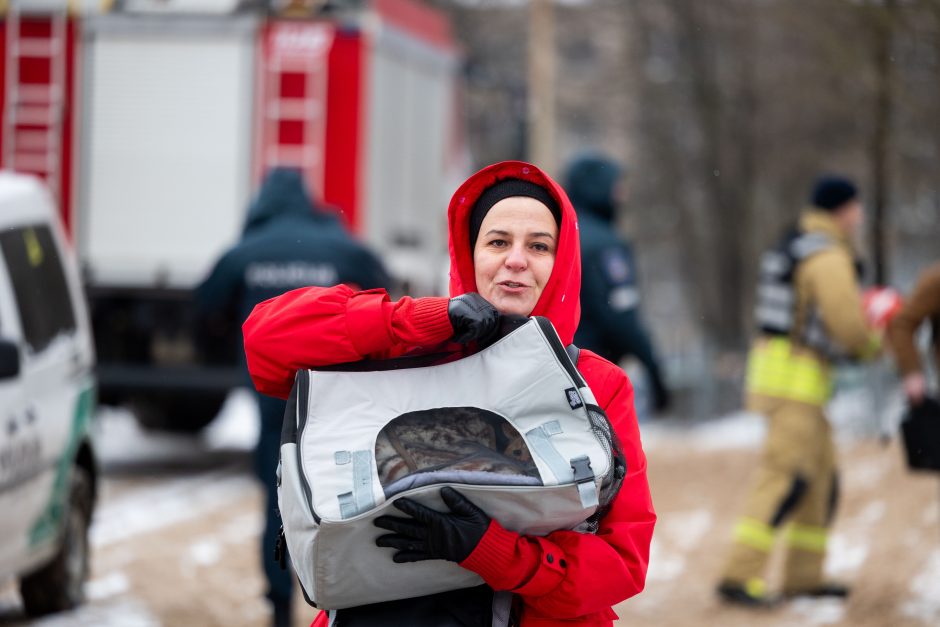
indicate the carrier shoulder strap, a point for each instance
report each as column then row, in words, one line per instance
column 573, row 353
column 569, row 364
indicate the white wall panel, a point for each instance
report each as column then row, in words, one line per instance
column 166, row 167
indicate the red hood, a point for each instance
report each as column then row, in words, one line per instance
column 560, row 301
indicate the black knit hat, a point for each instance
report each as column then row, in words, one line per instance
column 507, row 188
column 831, row 192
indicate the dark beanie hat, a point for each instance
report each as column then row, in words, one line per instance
column 831, row 192
column 507, row 188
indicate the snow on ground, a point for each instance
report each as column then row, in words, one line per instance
column 166, row 503
column 123, row 612
column 236, row 426
column 925, row 588
column 120, row 440
column 738, row 430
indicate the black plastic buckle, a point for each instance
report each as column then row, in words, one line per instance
column 582, row 469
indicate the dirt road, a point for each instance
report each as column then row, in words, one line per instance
column 175, row 536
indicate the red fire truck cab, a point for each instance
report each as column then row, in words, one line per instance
column 153, row 122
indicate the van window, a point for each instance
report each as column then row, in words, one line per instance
column 42, row 295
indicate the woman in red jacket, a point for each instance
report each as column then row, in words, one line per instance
column 514, row 249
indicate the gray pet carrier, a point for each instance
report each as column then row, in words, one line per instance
column 513, row 427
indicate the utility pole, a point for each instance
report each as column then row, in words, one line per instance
column 541, row 105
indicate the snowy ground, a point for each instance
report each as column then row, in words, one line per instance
column 175, row 533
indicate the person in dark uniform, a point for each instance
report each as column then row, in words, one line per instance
column 287, row 243
column 611, row 324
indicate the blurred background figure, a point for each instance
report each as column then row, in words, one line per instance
column 287, row 243
column 611, row 324
column 923, row 305
column 809, row 315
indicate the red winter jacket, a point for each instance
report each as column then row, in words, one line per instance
column 565, row 578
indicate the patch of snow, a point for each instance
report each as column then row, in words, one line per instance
column 237, row 425
column 872, row 514
column 819, row 611
column 110, row 585
column 663, row 566
column 168, row 503
column 844, row 557
column 685, row 529
column 120, row 613
column 116, row 559
column 247, row 526
column 205, row 552
column 738, row 430
column 867, row 475
column 119, row 439
column 925, row 590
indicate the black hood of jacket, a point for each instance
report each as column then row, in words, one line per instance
column 283, row 193
column 590, row 181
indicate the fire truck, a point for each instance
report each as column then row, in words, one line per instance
column 152, row 122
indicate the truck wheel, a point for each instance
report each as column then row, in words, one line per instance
column 180, row 414
column 59, row 585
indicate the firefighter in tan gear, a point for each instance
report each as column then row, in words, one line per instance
column 810, row 316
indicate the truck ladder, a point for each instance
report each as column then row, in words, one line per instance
column 294, row 112
column 35, row 109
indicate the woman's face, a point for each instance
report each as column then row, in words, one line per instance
column 515, row 253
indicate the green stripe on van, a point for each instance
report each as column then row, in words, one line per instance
column 50, row 521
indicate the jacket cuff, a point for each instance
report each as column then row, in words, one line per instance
column 551, row 570
column 430, row 321
column 497, row 560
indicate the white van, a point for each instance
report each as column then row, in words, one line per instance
column 47, row 398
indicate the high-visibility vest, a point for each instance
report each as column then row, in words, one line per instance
column 777, row 368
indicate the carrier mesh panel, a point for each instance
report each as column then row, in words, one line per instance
column 608, row 439
column 449, row 441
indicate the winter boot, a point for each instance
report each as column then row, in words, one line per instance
column 825, row 589
column 752, row 594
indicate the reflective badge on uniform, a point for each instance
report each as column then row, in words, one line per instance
column 623, row 298
column 617, row 267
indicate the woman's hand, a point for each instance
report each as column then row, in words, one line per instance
column 430, row 534
column 473, row 318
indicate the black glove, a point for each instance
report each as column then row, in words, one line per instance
column 472, row 317
column 433, row 535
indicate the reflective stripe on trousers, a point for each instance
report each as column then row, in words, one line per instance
column 774, row 369
column 807, row 537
